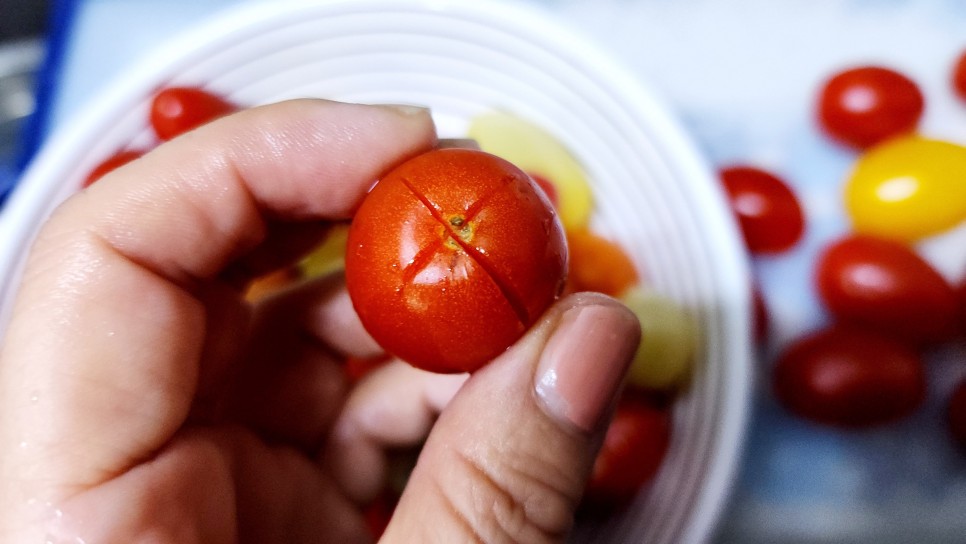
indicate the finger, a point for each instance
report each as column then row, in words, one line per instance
column 393, row 407
column 291, row 382
column 509, row 457
column 107, row 327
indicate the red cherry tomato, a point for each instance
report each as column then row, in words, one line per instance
column 849, row 377
column 770, row 216
column 959, row 76
column 176, row 110
column 113, row 162
column 866, row 105
column 884, row 285
column 451, row 257
column 633, row 449
column 956, row 414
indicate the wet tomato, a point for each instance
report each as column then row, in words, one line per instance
column 959, row 76
column 176, row 110
column 956, row 414
column 849, row 377
column 634, row 447
column 908, row 188
column 110, row 164
column 451, row 257
column 866, row 105
column 884, row 285
column 770, row 216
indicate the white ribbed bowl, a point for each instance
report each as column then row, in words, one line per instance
column 654, row 193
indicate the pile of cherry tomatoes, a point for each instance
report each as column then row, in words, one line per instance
column 887, row 306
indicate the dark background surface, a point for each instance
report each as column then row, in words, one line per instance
column 22, row 18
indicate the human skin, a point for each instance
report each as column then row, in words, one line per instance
column 143, row 400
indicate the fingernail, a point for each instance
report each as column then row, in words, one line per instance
column 584, row 362
column 407, row 110
column 458, row 143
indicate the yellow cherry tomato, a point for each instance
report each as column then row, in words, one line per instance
column 536, row 152
column 327, row 257
column 908, row 188
column 666, row 354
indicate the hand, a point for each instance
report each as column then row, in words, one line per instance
column 142, row 400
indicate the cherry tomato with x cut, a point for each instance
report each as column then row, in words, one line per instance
column 866, row 105
column 451, row 257
column 884, row 285
column 176, row 110
column 768, row 212
column 849, row 377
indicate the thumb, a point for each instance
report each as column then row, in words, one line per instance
column 509, row 457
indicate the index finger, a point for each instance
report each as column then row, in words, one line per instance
column 100, row 363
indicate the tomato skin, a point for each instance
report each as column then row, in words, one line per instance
column 866, row 105
column 451, row 257
column 110, row 164
column 176, row 110
column 956, row 414
column 908, row 188
column 634, row 447
column 548, row 187
column 884, row 285
column 768, row 212
column 849, row 377
column 959, row 76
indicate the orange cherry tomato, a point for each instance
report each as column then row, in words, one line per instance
column 451, row 257
column 598, row 264
column 110, row 164
column 270, row 284
column 176, row 110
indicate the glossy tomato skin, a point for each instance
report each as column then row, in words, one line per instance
column 451, row 257
column 956, row 414
column 176, row 110
column 865, row 105
column 633, row 449
column 849, row 377
column 884, row 285
column 768, row 212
